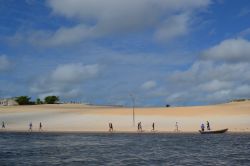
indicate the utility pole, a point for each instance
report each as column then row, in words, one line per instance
column 133, row 100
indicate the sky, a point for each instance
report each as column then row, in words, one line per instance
column 177, row 52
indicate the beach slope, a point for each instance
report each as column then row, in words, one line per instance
column 85, row 118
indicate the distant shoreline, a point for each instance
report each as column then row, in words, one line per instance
column 114, row 132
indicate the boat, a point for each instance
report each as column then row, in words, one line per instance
column 214, row 131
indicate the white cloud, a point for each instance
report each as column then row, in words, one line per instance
column 94, row 19
column 222, row 76
column 47, row 38
column 4, row 63
column 61, row 93
column 148, row 85
column 117, row 9
column 173, row 27
column 65, row 80
column 231, row 50
column 71, row 73
column 67, row 35
column 215, row 85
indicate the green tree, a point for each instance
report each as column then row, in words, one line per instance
column 51, row 99
column 23, row 100
column 38, row 101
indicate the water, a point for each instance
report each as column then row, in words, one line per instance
column 124, row 149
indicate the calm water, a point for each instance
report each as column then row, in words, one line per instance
column 124, row 149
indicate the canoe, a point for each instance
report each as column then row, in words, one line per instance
column 213, row 131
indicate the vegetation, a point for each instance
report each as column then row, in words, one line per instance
column 239, row 100
column 167, row 105
column 38, row 101
column 24, row 100
column 51, row 99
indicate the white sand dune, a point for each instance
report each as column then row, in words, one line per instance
column 83, row 118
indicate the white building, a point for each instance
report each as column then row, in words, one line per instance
column 8, row 102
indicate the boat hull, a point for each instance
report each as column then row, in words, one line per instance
column 214, row 132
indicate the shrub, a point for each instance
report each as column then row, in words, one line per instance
column 23, row 100
column 51, row 99
column 38, row 101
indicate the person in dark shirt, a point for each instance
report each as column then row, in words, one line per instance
column 111, row 127
column 208, row 126
column 3, row 125
column 40, row 126
column 30, row 126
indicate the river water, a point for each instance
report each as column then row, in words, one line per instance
column 123, row 149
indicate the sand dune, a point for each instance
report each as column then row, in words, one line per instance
column 84, row 118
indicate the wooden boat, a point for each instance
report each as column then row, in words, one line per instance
column 213, row 131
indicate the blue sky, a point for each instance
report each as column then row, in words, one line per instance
column 174, row 52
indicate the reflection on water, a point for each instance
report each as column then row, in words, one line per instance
column 123, row 149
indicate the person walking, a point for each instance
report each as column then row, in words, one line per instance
column 208, row 126
column 3, row 125
column 40, row 126
column 176, row 127
column 30, row 126
column 111, row 127
column 140, row 127
column 153, row 126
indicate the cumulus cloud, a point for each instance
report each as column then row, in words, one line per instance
column 119, row 16
column 62, row 36
column 65, row 80
column 148, row 85
column 173, row 27
column 231, row 50
column 214, row 78
column 71, row 73
column 215, row 85
column 85, row 9
column 167, row 19
column 4, row 63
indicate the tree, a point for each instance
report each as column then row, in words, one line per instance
column 51, row 99
column 167, row 105
column 38, row 101
column 23, row 100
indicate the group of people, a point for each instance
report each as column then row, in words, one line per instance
column 30, row 126
column 139, row 127
column 203, row 126
column 111, row 129
column 40, row 126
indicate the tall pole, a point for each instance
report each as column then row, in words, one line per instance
column 133, row 100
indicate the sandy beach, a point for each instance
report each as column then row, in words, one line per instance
column 85, row 118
